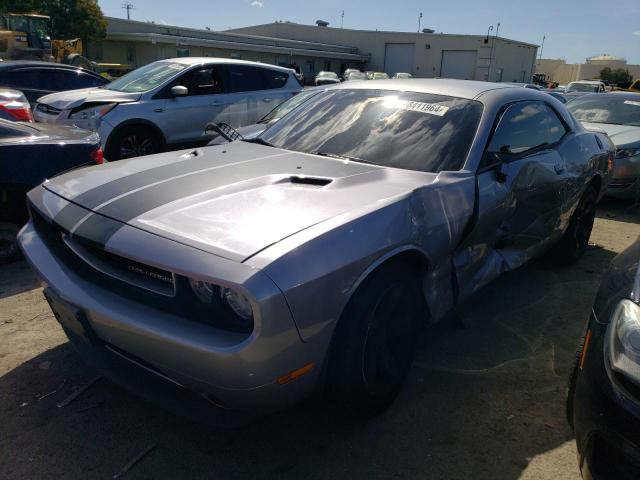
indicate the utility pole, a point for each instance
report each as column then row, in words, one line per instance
column 490, row 52
column 419, row 21
column 128, row 6
column 342, row 20
column 494, row 47
column 541, row 48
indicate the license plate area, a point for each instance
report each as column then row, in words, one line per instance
column 71, row 318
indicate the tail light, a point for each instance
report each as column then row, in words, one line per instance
column 97, row 156
column 16, row 105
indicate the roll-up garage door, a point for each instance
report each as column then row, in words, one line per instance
column 458, row 64
column 398, row 57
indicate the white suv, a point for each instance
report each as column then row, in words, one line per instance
column 166, row 104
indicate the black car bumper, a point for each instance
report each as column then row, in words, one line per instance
column 606, row 416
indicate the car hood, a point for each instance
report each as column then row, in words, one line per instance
column 75, row 98
column 620, row 135
column 230, row 200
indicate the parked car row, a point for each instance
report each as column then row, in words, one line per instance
column 330, row 78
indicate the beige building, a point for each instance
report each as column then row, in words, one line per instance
column 138, row 43
column 474, row 57
column 316, row 48
column 562, row 72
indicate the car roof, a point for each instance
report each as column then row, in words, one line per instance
column 12, row 64
column 223, row 61
column 441, row 86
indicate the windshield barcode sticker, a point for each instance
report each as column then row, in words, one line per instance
column 432, row 108
column 632, row 102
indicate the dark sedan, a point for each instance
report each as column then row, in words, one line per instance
column 604, row 390
column 29, row 154
column 36, row 79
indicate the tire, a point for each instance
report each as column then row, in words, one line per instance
column 574, row 242
column 374, row 342
column 133, row 141
column 9, row 251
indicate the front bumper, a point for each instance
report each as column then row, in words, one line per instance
column 606, row 415
column 624, row 187
column 235, row 371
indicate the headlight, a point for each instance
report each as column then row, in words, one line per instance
column 91, row 113
column 229, row 306
column 627, row 152
column 624, row 340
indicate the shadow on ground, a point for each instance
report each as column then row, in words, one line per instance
column 484, row 397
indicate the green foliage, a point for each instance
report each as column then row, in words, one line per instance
column 619, row 75
column 69, row 18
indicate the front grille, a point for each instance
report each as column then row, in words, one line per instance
column 622, row 182
column 111, row 272
column 129, row 271
column 48, row 109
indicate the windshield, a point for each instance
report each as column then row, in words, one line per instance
column 414, row 131
column 328, row 74
column 146, row 78
column 379, row 76
column 582, row 87
column 285, row 107
column 614, row 108
column 356, row 76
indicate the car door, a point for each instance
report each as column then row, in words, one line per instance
column 183, row 118
column 521, row 192
column 249, row 98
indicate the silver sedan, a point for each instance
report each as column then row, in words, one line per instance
column 256, row 273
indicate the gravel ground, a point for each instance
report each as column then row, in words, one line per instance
column 485, row 399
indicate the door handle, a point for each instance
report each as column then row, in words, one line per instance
column 267, row 100
column 559, row 169
column 159, row 110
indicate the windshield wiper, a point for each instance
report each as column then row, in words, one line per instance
column 258, row 140
column 342, row 157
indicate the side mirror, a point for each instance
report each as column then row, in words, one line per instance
column 179, row 91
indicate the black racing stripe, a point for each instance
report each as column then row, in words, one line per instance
column 131, row 206
column 97, row 230
column 69, row 216
column 107, row 191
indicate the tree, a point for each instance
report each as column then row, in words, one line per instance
column 69, row 18
column 619, row 75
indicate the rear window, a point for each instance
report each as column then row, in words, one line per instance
column 413, row 131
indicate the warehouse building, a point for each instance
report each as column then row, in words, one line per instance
column 424, row 54
column 320, row 47
column 560, row 71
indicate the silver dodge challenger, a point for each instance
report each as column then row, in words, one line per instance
column 234, row 280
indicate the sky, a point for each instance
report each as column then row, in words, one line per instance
column 574, row 29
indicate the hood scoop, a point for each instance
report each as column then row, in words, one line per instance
column 309, row 181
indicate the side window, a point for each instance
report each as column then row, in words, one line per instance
column 28, row 78
column 247, row 79
column 73, row 79
column 203, row 81
column 524, row 126
column 275, row 79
